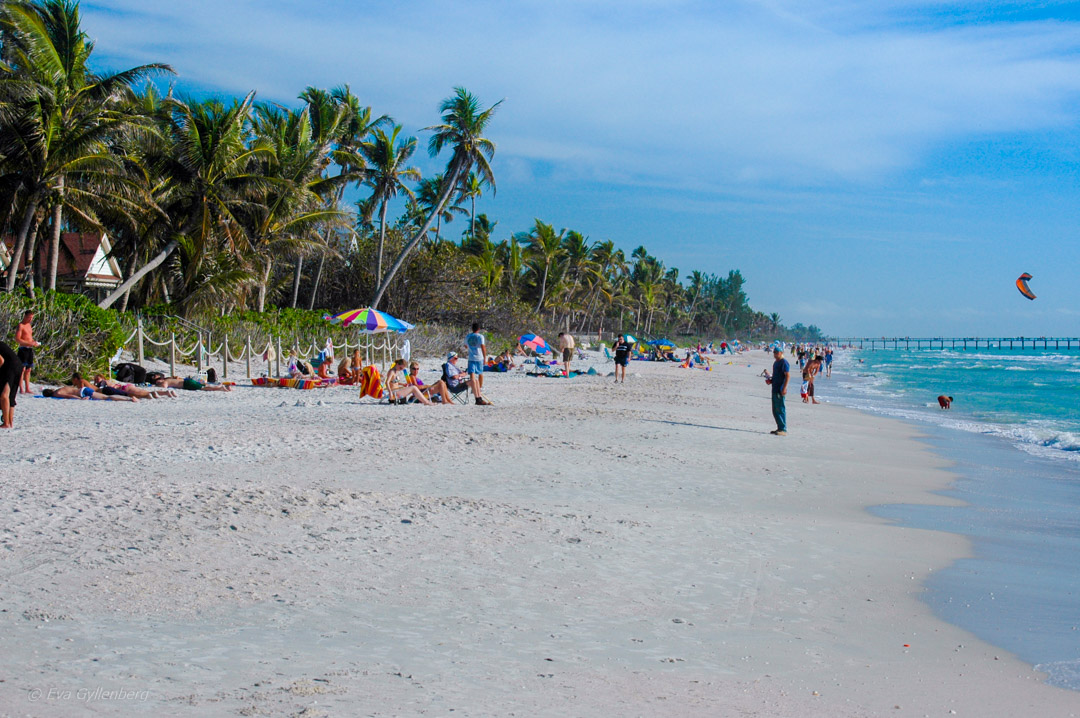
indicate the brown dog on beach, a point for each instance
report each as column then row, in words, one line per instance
column 944, row 402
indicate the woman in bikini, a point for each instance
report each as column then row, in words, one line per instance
column 112, row 386
column 429, row 390
column 400, row 388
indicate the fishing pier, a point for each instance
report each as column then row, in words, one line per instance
column 957, row 342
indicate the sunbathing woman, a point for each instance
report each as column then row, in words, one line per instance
column 323, row 371
column 400, row 388
column 83, row 392
column 189, row 384
column 344, row 376
column 429, row 390
column 112, row 386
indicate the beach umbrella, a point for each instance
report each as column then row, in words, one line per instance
column 534, row 342
column 630, row 339
column 369, row 321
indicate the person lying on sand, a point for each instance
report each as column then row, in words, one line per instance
column 84, row 392
column 188, row 384
column 111, row 386
column 400, row 388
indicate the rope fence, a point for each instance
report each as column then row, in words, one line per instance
column 374, row 347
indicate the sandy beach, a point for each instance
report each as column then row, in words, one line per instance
column 581, row 548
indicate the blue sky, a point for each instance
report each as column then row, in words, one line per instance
column 879, row 167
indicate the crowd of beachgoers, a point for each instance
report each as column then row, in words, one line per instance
column 400, row 383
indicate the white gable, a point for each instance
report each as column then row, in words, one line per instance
column 100, row 265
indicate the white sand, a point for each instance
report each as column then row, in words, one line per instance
column 579, row 549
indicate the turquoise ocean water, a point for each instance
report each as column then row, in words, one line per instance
column 1013, row 434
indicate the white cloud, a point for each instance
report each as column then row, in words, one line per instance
column 735, row 93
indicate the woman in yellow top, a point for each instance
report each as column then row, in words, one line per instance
column 399, row 387
column 429, row 390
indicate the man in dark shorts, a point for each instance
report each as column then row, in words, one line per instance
column 24, row 337
column 11, row 370
column 781, row 371
column 622, row 357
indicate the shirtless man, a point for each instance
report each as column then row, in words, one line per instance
column 86, row 392
column 175, row 382
column 566, row 344
column 24, row 337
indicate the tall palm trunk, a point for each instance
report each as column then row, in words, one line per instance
column 20, row 240
column 543, row 286
column 261, row 302
column 472, row 219
column 318, row 278
column 416, row 238
column 35, row 276
column 54, row 249
column 296, row 280
column 382, row 244
column 142, row 272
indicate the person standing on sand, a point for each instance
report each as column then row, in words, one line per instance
column 24, row 337
column 622, row 357
column 10, row 374
column 477, row 359
column 566, row 344
column 781, row 371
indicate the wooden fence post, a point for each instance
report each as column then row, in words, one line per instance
column 172, row 354
column 139, row 332
column 247, row 354
column 277, row 358
column 225, row 359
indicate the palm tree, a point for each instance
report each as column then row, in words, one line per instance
column 290, row 202
column 386, row 159
column 427, row 196
column 462, row 130
column 546, row 247
column 61, row 114
column 207, row 175
column 356, row 125
column 774, row 319
column 471, row 188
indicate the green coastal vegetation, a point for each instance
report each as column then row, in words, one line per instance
column 237, row 208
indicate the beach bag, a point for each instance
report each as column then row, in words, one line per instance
column 130, row 373
column 211, row 375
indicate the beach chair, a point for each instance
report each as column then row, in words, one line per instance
column 607, row 354
column 461, row 393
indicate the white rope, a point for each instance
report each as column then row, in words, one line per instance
column 133, row 335
column 157, row 344
column 189, row 352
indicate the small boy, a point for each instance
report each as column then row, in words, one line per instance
column 24, row 337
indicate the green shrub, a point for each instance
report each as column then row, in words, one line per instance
column 75, row 334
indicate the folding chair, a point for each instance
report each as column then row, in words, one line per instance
column 459, row 394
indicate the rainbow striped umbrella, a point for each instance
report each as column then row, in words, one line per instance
column 369, row 321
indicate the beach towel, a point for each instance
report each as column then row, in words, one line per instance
column 371, row 382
